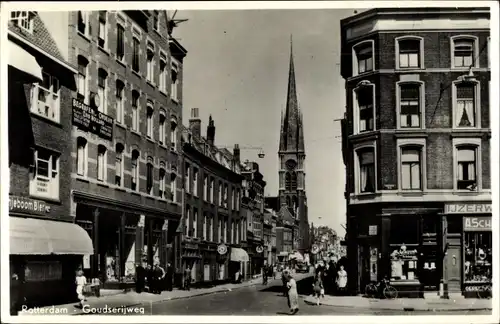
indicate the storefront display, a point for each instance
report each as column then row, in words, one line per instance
column 478, row 257
column 404, row 264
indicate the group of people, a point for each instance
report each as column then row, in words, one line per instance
column 331, row 278
column 155, row 278
column 268, row 271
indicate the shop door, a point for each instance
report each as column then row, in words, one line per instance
column 206, row 272
column 454, row 266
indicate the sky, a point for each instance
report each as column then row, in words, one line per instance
column 236, row 70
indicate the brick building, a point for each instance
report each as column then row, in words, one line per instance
column 125, row 148
column 416, row 140
column 213, row 226
column 46, row 246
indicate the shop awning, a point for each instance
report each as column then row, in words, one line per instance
column 296, row 256
column 29, row 236
column 23, row 61
column 239, row 255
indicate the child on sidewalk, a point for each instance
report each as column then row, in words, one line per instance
column 81, row 281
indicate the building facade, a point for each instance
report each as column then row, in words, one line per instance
column 212, row 237
column 46, row 247
column 125, row 151
column 417, row 148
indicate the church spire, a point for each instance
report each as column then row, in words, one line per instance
column 292, row 136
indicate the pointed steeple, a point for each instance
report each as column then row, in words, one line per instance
column 292, row 136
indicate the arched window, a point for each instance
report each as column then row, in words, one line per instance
column 135, row 110
column 119, row 164
column 149, row 120
column 101, row 163
column 135, row 170
column 293, row 181
column 149, row 175
column 173, row 184
column 161, row 127
column 162, row 177
column 288, row 181
column 102, row 77
column 173, row 133
column 81, row 156
column 119, row 101
column 82, row 94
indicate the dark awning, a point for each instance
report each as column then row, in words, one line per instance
column 31, row 236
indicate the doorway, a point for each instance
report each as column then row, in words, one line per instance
column 454, row 266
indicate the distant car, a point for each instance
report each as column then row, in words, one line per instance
column 302, row 267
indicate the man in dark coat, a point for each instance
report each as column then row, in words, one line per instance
column 170, row 277
column 140, row 280
column 187, row 278
column 149, row 278
column 159, row 276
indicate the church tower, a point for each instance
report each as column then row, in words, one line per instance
column 292, row 190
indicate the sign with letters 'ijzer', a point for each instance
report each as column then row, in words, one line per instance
column 468, row 208
column 477, row 224
column 92, row 120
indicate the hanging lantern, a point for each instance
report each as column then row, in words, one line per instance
column 261, row 154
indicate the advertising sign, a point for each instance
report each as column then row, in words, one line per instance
column 92, row 120
column 468, row 208
column 28, row 205
column 477, row 224
column 222, row 249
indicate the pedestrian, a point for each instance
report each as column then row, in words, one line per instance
column 264, row 275
column 140, row 278
column 149, row 278
column 342, row 280
column 159, row 276
column 274, row 271
column 318, row 287
column 170, row 277
column 187, row 278
column 293, row 296
column 284, row 280
column 80, row 281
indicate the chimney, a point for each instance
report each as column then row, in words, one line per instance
column 195, row 122
column 210, row 131
column 236, row 153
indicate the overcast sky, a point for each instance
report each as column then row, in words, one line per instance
column 236, row 70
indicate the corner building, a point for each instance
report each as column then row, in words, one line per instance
column 125, row 151
column 416, row 140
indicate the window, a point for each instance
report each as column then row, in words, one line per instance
column 81, row 156
column 45, row 98
column 366, row 170
column 119, row 165
column 187, row 178
column 188, row 220
column 195, row 182
column 226, row 195
column 44, row 180
column 101, row 163
column 156, row 20
column 173, row 185
column 150, row 63
column 173, row 134
column 489, row 51
column 408, row 51
column 48, row 271
column 467, row 168
column 82, row 79
column 293, row 181
column 478, row 257
column 365, row 94
column 219, row 230
column 161, row 128
column 238, row 194
column 136, row 53
column 175, row 82
column 23, row 20
column 120, row 42
column 149, row 176
column 363, row 57
column 162, row 185
column 411, row 169
column 410, row 105
column 135, row 110
column 101, row 90
column 195, row 222
column 238, row 224
column 226, row 229
column 149, row 120
column 103, row 32
column 119, row 101
column 463, row 51
column 232, row 233
column 83, row 22
column 220, row 193
column 163, row 73
column 135, row 170
column 204, row 234
column 465, row 112
column 205, row 187
column 212, row 191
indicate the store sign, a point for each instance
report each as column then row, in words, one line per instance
column 372, row 230
column 477, row 223
column 468, row 208
column 92, row 120
column 222, row 249
column 259, row 249
column 23, row 205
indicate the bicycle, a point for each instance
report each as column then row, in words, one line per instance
column 381, row 289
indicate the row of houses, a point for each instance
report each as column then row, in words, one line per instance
column 104, row 176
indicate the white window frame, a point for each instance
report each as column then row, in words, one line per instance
column 82, row 157
column 421, row 144
column 356, row 110
column 102, row 164
column 187, row 177
column 163, row 78
column 23, row 19
column 86, row 92
column 420, row 54
column 475, row 49
column 211, row 229
column 173, row 185
column 137, row 108
column 150, row 111
column 135, row 175
column 173, row 134
column 477, row 103
column 150, row 61
column 122, row 164
column 86, row 21
column 103, row 105
column 51, row 181
column 195, row 181
column 162, row 138
column 355, row 67
column 188, row 220
column 211, row 197
column 162, row 186
column 120, row 103
column 53, row 102
column 174, row 86
column 470, row 142
column 205, row 187
column 195, row 222
column 421, row 84
column 150, row 163
column 204, row 235
column 106, row 30
column 357, row 170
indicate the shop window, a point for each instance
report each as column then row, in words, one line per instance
column 44, row 179
column 366, row 170
column 135, row 110
column 82, row 93
column 45, row 98
column 101, row 90
column 149, row 176
column 149, row 120
column 404, row 240
column 161, row 128
column 478, row 257
column 103, row 30
column 119, row 165
column 135, row 171
column 81, row 156
column 101, row 163
column 43, row 271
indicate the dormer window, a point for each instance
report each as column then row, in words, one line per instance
column 23, row 20
column 363, row 57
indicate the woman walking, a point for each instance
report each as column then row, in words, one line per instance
column 318, row 287
column 293, row 296
column 80, row 281
column 342, row 280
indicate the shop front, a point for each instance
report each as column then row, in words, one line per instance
column 209, row 261
column 222, row 263
column 192, row 259
column 473, row 222
column 238, row 261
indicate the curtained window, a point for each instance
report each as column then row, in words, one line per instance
column 465, row 106
column 367, row 170
column 466, row 158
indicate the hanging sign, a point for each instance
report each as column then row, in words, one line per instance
column 222, row 249
column 259, row 249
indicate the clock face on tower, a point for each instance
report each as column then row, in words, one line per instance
column 291, row 164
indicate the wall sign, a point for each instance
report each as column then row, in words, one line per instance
column 92, row 120
column 28, row 205
column 259, row 249
column 372, row 230
column 222, row 249
column 477, row 223
column 468, row 208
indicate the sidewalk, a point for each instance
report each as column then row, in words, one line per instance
column 131, row 299
column 405, row 304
